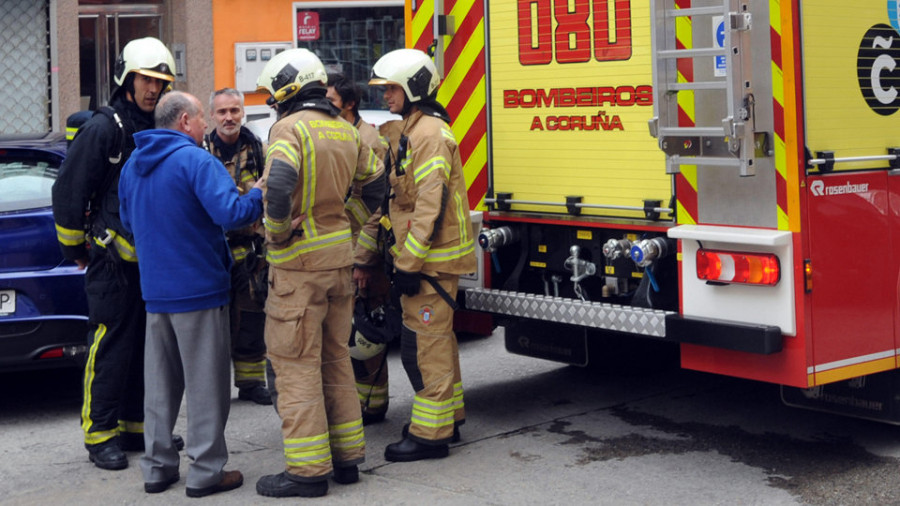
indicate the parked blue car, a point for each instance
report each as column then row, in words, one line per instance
column 43, row 307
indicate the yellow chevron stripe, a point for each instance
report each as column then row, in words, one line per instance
column 476, row 162
column 690, row 175
column 476, row 102
column 775, row 15
column 422, row 21
column 778, row 90
column 683, row 32
column 467, row 58
column 684, row 217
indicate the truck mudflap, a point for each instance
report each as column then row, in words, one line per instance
column 634, row 320
column 747, row 337
column 872, row 397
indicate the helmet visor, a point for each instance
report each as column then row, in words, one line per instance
column 155, row 73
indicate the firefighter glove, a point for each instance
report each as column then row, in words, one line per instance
column 407, row 283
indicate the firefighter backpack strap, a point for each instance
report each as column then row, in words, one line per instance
column 440, row 290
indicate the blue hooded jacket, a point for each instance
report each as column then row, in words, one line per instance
column 178, row 200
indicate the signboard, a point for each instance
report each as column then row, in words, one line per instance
column 307, row 25
column 718, row 24
column 571, row 95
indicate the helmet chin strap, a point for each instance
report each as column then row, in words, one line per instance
column 407, row 106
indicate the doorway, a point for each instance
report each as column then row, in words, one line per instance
column 103, row 30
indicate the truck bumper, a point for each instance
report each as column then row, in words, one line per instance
column 668, row 325
column 751, row 338
column 634, row 320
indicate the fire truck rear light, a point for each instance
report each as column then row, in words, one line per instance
column 807, row 271
column 738, row 267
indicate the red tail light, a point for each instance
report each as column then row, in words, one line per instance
column 738, row 267
column 52, row 353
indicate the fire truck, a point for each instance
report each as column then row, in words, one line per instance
column 718, row 174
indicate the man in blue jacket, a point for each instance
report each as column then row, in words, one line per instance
column 178, row 200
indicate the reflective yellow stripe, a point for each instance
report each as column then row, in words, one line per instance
column 357, row 209
column 307, row 451
column 404, row 164
column 458, row 396
column 448, row 134
column 309, row 178
column 249, row 371
column 239, row 253
column 367, row 242
column 347, row 435
column 134, row 427
column 284, row 148
column 69, row 236
column 432, row 414
column 375, row 396
column 305, row 245
column 452, row 253
column 371, row 167
column 124, row 248
column 87, row 423
column 438, row 162
column 277, row 226
column 461, row 218
column 94, row 438
column 413, row 245
column 70, row 133
column 247, row 176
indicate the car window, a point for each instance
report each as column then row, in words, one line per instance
column 26, row 183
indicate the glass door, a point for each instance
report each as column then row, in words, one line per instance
column 103, row 32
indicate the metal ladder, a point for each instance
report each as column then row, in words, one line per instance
column 733, row 144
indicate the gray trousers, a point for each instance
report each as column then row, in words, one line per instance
column 187, row 353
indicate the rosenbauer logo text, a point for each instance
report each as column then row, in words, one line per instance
column 575, row 32
column 819, row 188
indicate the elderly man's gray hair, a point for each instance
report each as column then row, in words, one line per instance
column 171, row 107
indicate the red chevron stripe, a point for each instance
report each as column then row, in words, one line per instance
column 687, row 196
column 685, row 65
column 781, row 190
column 776, row 47
column 683, row 119
column 473, row 136
column 463, row 33
column 467, row 86
column 477, row 187
column 778, row 111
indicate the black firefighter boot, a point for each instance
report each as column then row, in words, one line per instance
column 285, row 484
column 408, row 450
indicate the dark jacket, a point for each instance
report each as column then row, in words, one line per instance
column 178, row 200
column 89, row 176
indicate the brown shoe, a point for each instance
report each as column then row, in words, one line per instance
column 230, row 481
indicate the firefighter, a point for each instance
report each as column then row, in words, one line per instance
column 369, row 359
column 242, row 154
column 312, row 159
column 429, row 217
column 86, row 211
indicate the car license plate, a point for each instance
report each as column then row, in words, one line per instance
column 7, row 302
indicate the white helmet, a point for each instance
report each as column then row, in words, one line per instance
column 363, row 349
column 410, row 69
column 289, row 72
column 147, row 56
